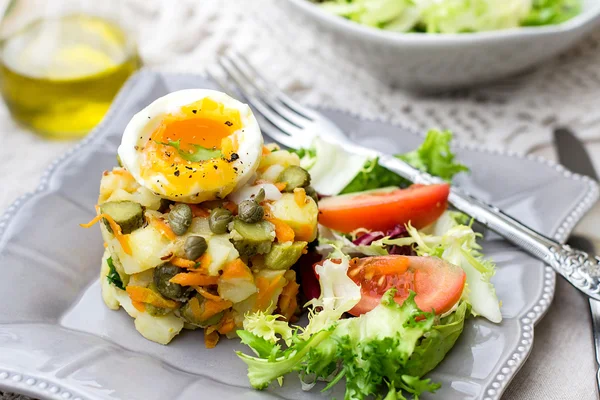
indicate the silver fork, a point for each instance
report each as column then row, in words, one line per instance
column 295, row 126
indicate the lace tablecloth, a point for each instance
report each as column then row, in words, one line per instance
column 517, row 114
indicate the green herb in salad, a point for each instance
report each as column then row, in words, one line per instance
column 452, row 16
column 113, row 276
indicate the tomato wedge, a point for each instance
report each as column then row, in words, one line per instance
column 438, row 284
column 381, row 210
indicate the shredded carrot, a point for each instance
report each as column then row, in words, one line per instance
column 198, row 211
column 231, row 206
column 194, row 307
column 227, row 327
column 266, row 290
column 280, row 186
column 145, row 295
column 207, row 295
column 123, row 239
column 211, row 339
column 236, row 269
column 163, row 228
column 138, row 305
column 122, row 172
column 212, row 308
column 266, row 151
column 200, row 265
column 287, row 299
column 182, row 262
column 283, row 232
column 300, row 197
column 208, row 308
column 227, row 323
column 382, row 267
column 194, row 279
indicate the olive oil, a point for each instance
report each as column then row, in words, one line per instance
column 59, row 76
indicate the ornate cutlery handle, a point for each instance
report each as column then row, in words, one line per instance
column 579, row 268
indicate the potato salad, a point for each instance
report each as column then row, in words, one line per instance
column 202, row 222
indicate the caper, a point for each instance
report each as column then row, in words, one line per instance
column 194, row 247
column 162, row 276
column 294, row 177
column 156, row 311
column 180, row 218
column 312, row 193
column 219, row 219
column 250, row 211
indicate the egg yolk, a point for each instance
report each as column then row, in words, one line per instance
column 192, row 150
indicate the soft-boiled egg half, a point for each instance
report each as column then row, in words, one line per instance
column 192, row 145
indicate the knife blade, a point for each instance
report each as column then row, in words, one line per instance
column 573, row 154
column 575, row 157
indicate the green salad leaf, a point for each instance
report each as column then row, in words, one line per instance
column 331, row 167
column 374, row 176
column 548, row 12
column 388, row 349
column 199, row 154
column 434, row 156
column 442, row 337
column 371, row 351
column 452, row 16
column 113, row 276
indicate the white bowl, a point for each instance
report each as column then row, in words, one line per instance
column 442, row 61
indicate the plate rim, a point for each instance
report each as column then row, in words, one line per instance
column 53, row 389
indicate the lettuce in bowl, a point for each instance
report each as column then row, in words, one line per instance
column 452, row 16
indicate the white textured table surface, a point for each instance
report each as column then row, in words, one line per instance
column 516, row 114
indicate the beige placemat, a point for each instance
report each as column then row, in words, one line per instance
column 190, row 36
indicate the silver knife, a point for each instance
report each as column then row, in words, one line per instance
column 574, row 156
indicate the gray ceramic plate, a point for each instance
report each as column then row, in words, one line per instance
column 59, row 341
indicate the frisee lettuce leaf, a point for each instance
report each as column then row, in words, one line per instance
column 199, row 154
column 371, row 351
column 435, row 156
column 113, row 276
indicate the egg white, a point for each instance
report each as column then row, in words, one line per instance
column 143, row 124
